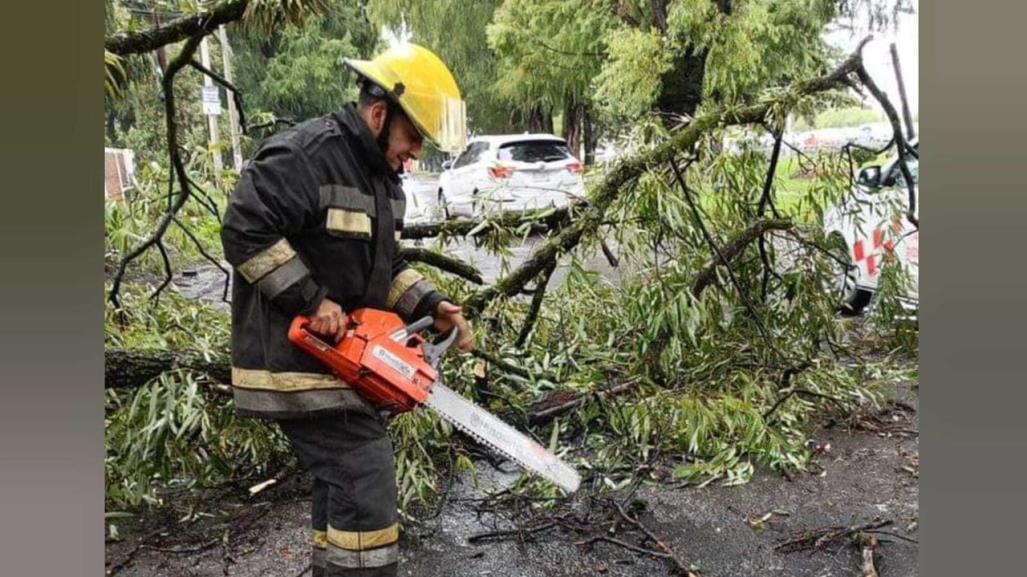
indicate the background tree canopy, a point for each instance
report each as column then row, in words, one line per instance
column 297, row 71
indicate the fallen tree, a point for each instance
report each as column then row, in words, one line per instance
column 571, row 225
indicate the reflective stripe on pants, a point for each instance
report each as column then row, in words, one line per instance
column 354, row 493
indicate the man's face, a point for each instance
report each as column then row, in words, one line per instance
column 404, row 139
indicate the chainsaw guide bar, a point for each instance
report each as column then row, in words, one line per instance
column 395, row 369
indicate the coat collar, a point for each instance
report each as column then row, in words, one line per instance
column 367, row 147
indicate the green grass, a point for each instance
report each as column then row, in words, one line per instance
column 790, row 188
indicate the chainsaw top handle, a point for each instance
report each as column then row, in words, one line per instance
column 298, row 331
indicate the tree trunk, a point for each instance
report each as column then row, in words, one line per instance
column 572, row 127
column 589, row 134
column 682, row 87
column 659, row 8
column 112, row 127
column 131, row 369
column 540, row 120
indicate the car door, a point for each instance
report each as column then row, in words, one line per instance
column 457, row 183
column 904, row 242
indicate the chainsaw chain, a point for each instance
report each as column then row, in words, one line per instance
column 482, row 440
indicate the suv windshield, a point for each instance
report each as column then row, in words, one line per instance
column 896, row 174
column 534, row 151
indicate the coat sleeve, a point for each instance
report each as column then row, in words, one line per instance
column 276, row 197
column 411, row 296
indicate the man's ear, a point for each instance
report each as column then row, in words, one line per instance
column 376, row 117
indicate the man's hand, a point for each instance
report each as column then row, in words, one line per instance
column 448, row 315
column 329, row 320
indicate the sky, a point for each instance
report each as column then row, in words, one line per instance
column 877, row 57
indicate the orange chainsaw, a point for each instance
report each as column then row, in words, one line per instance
column 397, row 370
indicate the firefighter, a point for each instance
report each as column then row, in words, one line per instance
column 311, row 228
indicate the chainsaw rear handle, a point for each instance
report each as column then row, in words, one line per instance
column 302, row 337
column 378, row 356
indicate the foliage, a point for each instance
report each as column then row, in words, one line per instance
column 169, row 435
column 297, row 72
column 127, row 223
column 548, row 52
column 456, row 31
column 706, row 369
column 756, row 44
column 629, row 82
column 176, row 432
column 266, row 15
column 114, row 74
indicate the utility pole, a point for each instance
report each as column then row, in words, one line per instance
column 233, row 114
column 910, row 132
column 212, row 119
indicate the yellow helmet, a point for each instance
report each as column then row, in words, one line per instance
column 424, row 87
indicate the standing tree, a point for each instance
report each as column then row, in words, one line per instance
column 455, row 30
column 548, row 54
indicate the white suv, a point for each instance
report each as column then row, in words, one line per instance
column 870, row 229
column 510, row 173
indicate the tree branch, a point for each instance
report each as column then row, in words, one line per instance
column 167, row 83
column 563, row 401
column 536, row 304
column 720, row 256
column 461, row 227
column 900, row 140
column 734, row 248
column 442, row 262
column 206, row 255
column 134, row 368
column 200, row 24
column 509, row 368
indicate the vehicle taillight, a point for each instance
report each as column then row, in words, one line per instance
column 575, row 167
column 500, row 172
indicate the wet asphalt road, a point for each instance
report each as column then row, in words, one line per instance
column 204, row 282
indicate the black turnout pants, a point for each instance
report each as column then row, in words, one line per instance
column 354, row 523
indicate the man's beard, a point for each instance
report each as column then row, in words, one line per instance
column 383, row 137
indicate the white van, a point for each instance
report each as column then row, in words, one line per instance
column 869, row 230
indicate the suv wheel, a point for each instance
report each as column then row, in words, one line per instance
column 444, row 205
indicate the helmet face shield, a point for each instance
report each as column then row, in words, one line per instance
column 453, row 128
column 440, row 118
